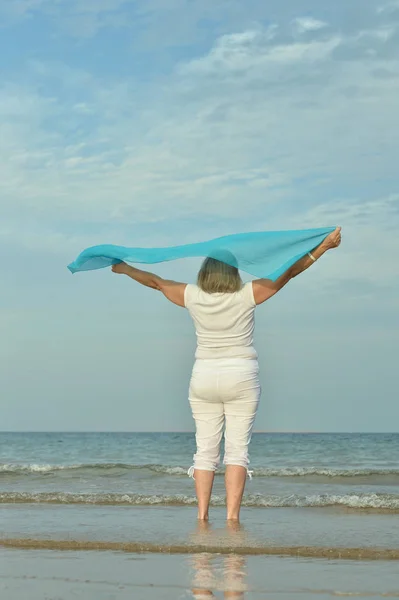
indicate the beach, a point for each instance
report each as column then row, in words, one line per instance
column 114, row 516
column 57, row 575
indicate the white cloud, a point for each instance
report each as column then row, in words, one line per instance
column 78, row 19
column 229, row 135
column 257, row 50
column 388, row 7
column 19, row 8
column 304, row 24
column 370, row 245
column 291, row 125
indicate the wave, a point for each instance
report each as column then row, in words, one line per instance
column 17, row 469
column 297, row 472
column 381, row 502
column 322, row 472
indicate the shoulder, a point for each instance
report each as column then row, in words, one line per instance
column 190, row 294
column 247, row 293
column 173, row 291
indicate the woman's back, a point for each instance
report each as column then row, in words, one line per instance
column 224, row 322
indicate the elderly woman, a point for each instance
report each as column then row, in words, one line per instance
column 224, row 388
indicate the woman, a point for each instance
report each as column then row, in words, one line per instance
column 224, row 387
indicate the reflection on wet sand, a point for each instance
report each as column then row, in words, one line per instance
column 228, row 576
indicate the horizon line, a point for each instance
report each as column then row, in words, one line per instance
column 298, row 431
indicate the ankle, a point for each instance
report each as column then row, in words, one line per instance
column 233, row 518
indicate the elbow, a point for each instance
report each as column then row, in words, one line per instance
column 158, row 284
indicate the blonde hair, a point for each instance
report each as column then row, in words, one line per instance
column 216, row 276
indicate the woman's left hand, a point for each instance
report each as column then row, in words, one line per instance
column 333, row 240
column 119, row 268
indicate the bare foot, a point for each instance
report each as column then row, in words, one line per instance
column 203, row 525
column 233, row 525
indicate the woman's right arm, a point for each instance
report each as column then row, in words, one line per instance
column 266, row 288
column 172, row 290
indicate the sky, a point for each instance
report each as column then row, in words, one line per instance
column 161, row 122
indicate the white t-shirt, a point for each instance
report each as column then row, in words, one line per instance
column 224, row 322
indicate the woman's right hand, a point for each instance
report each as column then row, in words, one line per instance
column 333, row 240
column 120, row 268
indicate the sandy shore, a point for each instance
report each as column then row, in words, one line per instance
column 176, row 528
column 158, row 553
column 371, row 553
column 44, row 574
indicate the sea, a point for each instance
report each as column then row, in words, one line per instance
column 352, row 471
column 103, row 516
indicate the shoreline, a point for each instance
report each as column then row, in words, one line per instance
column 164, row 529
column 152, row 548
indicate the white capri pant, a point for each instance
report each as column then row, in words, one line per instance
column 223, row 393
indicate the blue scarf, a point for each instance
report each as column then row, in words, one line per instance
column 264, row 254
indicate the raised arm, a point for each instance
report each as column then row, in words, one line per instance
column 266, row 288
column 172, row 290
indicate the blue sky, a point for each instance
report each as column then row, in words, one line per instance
column 159, row 122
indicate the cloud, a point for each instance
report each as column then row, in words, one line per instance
column 154, row 122
column 172, row 23
column 74, row 17
column 19, row 8
column 252, row 50
column 389, row 8
column 305, row 24
column 255, row 130
column 370, row 242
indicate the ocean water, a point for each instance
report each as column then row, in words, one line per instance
column 351, row 471
column 317, row 504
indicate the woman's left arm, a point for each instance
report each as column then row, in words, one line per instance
column 265, row 288
column 172, row 290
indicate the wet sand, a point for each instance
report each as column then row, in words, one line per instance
column 101, row 553
column 146, row 547
column 55, row 575
column 300, row 531
column 351, row 553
